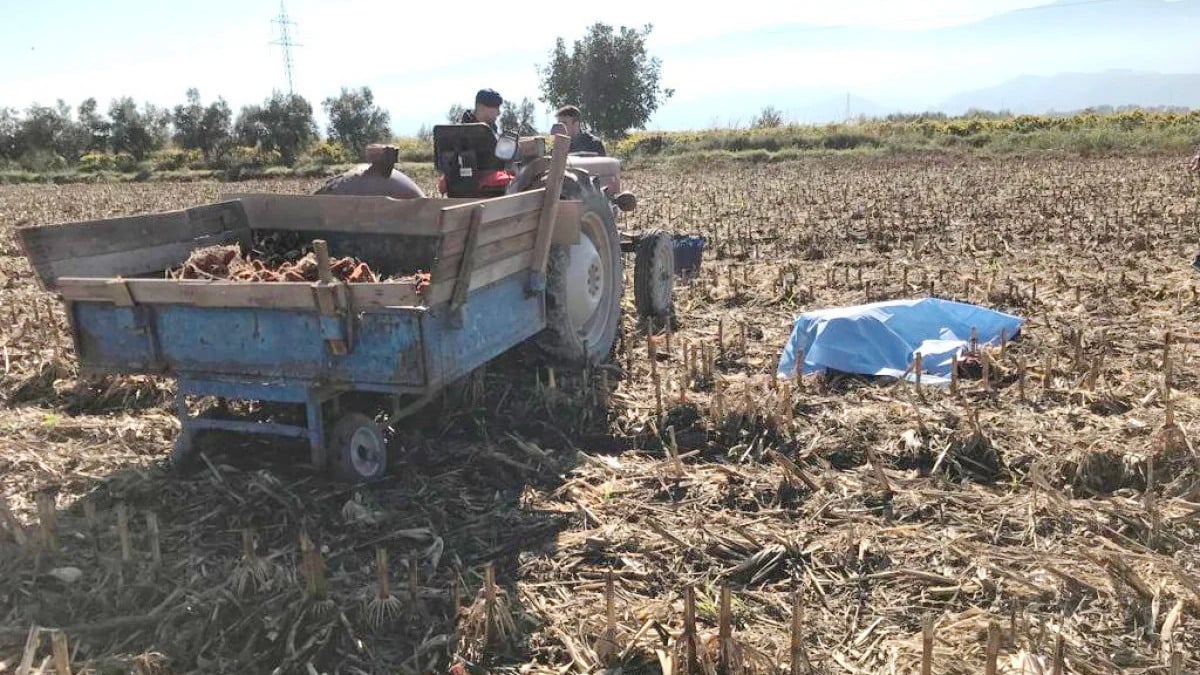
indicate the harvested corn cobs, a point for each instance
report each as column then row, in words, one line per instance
column 228, row 263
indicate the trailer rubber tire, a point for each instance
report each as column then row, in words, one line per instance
column 601, row 281
column 357, row 449
column 654, row 275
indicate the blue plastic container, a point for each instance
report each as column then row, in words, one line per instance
column 689, row 250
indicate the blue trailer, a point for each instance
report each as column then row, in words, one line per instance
column 541, row 264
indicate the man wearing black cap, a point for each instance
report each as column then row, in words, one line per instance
column 487, row 109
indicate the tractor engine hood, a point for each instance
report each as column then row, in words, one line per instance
column 607, row 168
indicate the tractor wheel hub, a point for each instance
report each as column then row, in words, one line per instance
column 585, row 282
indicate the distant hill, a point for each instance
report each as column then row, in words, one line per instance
column 1061, row 56
column 1067, row 92
column 833, row 109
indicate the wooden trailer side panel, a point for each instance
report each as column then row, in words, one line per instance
column 129, row 246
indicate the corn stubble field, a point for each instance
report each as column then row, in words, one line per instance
column 676, row 509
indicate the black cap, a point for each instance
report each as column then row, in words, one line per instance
column 488, row 97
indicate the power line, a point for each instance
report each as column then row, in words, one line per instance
column 285, row 41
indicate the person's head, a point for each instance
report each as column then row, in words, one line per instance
column 487, row 105
column 568, row 116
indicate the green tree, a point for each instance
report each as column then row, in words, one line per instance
column 138, row 131
column 12, row 142
column 207, row 129
column 456, row 113
column 216, row 128
column 284, row 123
column 609, row 75
column 519, row 118
column 355, row 121
column 187, row 119
column 769, row 118
column 92, row 124
column 52, row 131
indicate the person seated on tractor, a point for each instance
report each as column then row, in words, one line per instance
column 491, row 177
column 581, row 141
column 487, row 109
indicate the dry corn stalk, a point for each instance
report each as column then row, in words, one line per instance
column 798, row 655
column 48, row 519
column 416, row 607
column 251, row 573
column 313, row 568
column 383, row 607
column 155, row 542
column 489, row 624
column 123, row 533
column 606, row 647
column 686, row 652
column 14, row 527
column 62, row 655
column 725, row 654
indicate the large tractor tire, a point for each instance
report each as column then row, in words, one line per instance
column 377, row 178
column 363, row 181
column 584, row 283
column 654, row 275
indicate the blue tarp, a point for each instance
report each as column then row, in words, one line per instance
column 881, row 338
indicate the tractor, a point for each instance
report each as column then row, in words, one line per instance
column 584, row 282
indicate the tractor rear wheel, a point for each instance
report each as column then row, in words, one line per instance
column 654, row 275
column 584, row 286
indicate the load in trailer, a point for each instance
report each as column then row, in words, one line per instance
column 349, row 358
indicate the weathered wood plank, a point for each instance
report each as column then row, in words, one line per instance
column 546, row 226
column 467, row 260
column 113, row 235
column 566, row 231
column 130, row 245
column 458, row 217
column 372, row 297
column 129, row 263
column 482, row 276
column 414, row 217
column 447, row 268
column 340, row 213
column 453, row 243
column 284, row 295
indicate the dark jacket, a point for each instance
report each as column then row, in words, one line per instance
column 587, row 142
column 468, row 117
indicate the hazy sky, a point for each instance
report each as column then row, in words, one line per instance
column 419, row 59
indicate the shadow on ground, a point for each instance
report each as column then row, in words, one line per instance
column 227, row 586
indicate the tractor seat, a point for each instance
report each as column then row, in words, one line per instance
column 465, row 155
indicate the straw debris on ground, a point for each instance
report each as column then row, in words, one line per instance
column 679, row 507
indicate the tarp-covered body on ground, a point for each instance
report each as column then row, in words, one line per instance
column 881, row 339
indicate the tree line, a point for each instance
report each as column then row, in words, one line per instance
column 282, row 127
column 607, row 73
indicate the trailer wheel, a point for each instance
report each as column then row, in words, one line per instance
column 654, row 275
column 358, row 449
column 584, row 287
